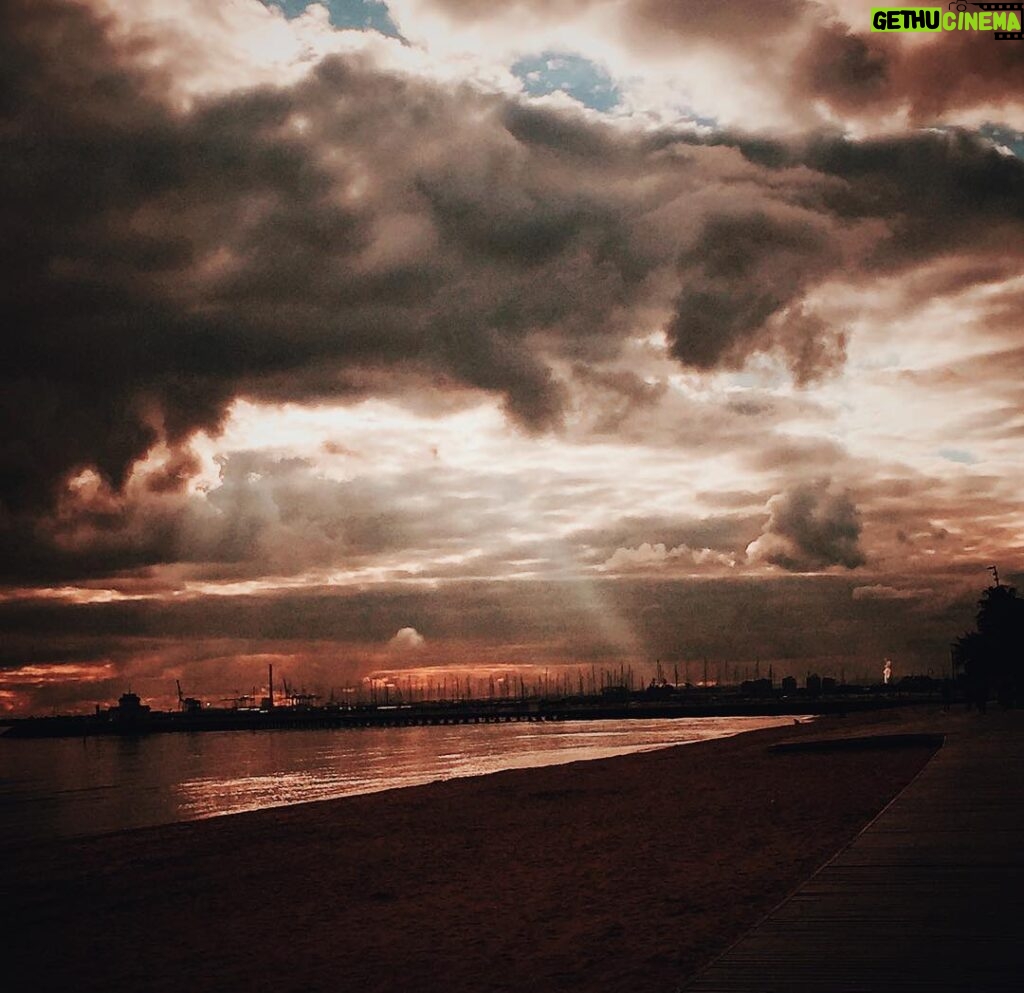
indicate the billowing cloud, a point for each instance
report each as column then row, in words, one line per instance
column 869, row 76
column 743, row 279
column 314, row 335
column 646, row 556
column 406, row 640
column 265, row 516
column 795, row 64
column 282, row 243
column 810, row 527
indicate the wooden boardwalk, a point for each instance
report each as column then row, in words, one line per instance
column 929, row 897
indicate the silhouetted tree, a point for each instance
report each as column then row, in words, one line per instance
column 1001, row 626
column 993, row 655
column 969, row 659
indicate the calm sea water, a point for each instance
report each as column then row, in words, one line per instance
column 64, row 788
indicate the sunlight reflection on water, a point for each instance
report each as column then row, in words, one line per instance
column 64, row 788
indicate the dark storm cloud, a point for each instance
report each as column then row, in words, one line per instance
column 158, row 264
column 875, row 207
column 100, row 186
column 866, row 74
column 357, row 232
column 941, row 194
column 810, row 526
column 917, row 198
column 743, row 271
column 849, row 71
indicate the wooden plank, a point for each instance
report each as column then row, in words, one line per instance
column 929, row 897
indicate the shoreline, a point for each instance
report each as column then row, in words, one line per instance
column 243, row 773
column 619, row 873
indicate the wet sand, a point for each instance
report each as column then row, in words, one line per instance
column 622, row 874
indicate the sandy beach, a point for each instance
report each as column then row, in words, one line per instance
column 622, row 874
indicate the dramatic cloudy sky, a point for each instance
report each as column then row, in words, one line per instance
column 370, row 337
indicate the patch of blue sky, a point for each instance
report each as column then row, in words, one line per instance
column 1004, row 137
column 958, row 455
column 361, row 15
column 574, row 75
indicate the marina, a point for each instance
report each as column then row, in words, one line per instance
column 660, row 699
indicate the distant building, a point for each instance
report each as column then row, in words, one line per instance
column 813, row 684
column 789, row 684
column 131, row 703
column 756, row 687
column 129, row 708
